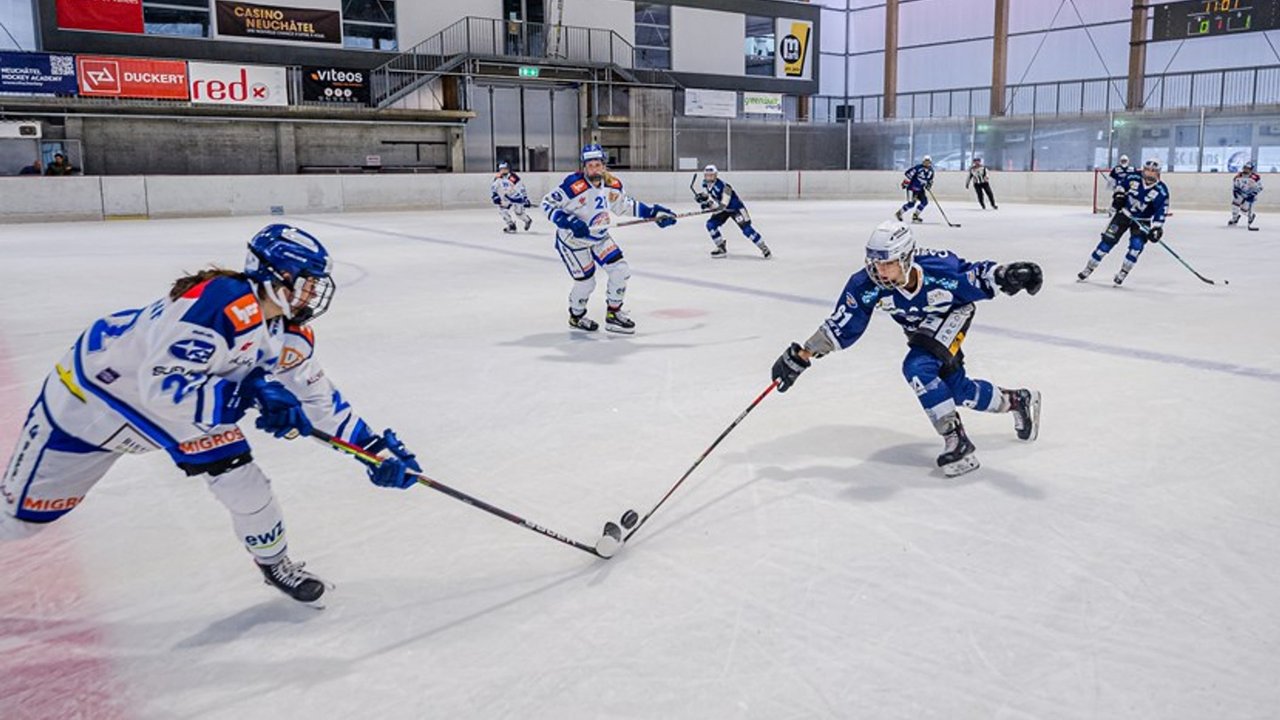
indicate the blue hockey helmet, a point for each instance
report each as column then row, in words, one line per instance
column 292, row 269
column 1248, row 166
column 593, row 151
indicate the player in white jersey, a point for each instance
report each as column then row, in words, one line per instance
column 1244, row 192
column 580, row 208
column 509, row 194
column 178, row 376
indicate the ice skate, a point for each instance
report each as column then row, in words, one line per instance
column 1234, row 219
column 528, row 223
column 1087, row 271
column 510, row 228
column 898, row 215
column 289, row 578
column 764, row 250
column 1121, row 274
column 959, row 456
column 617, row 320
column 915, row 218
column 582, row 322
column 720, row 251
column 1025, row 406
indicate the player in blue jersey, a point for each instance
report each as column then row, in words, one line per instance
column 177, row 376
column 580, row 208
column 718, row 195
column 918, row 181
column 931, row 294
column 1116, row 180
column 1146, row 202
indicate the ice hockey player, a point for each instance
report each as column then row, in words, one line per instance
column 178, row 375
column 917, row 182
column 718, row 195
column 1244, row 191
column 510, row 196
column 931, row 294
column 1116, row 181
column 1146, row 200
column 580, row 209
column 978, row 176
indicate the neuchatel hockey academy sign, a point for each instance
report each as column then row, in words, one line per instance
column 270, row 22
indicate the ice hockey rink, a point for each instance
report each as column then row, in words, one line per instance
column 817, row 565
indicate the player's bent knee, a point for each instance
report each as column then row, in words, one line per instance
column 243, row 490
column 920, row 367
column 11, row 528
column 618, row 270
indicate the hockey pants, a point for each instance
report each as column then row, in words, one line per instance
column 580, row 258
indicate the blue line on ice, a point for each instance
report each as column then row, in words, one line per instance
column 1128, row 353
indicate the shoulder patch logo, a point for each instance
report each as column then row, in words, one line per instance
column 290, row 358
column 244, row 313
column 578, row 187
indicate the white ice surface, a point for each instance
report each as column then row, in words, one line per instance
column 1126, row 565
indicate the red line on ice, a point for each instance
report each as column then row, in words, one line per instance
column 53, row 664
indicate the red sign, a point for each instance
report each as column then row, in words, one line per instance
column 132, row 77
column 105, row 15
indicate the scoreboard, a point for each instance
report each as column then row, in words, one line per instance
column 1209, row 18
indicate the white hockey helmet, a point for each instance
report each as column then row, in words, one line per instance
column 710, row 172
column 890, row 241
column 926, row 160
column 1124, row 159
column 1247, row 167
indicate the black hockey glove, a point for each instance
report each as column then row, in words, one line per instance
column 1019, row 276
column 788, row 367
column 1155, row 233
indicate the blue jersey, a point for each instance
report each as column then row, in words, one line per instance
column 1119, row 174
column 1145, row 202
column 919, row 178
column 723, row 194
column 948, row 281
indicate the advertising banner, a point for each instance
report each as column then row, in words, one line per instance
column 761, row 103
column 123, row 16
column 793, row 57
column 37, row 74
column 710, row 103
column 227, row 84
column 270, row 22
column 132, row 77
column 335, row 85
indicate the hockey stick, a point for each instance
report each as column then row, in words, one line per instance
column 698, row 462
column 642, row 221
column 944, row 212
column 1177, row 257
column 365, row 457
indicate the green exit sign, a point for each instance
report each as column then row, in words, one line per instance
column 528, row 71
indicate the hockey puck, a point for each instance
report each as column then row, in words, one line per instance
column 610, row 541
column 629, row 519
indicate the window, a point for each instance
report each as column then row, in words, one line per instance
column 760, row 45
column 653, row 35
column 369, row 24
column 188, row 18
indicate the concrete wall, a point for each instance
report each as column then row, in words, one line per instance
column 708, row 41
column 35, row 199
column 196, row 146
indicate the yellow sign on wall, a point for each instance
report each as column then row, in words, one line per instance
column 792, row 59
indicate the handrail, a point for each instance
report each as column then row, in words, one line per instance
column 494, row 38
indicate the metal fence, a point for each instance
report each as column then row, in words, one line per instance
column 1211, row 89
column 1184, row 140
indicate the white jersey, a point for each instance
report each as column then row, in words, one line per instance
column 577, row 198
column 508, row 190
column 977, row 175
column 1247, row 184
column 161, row 377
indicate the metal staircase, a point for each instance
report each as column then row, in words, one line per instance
column 475, row 38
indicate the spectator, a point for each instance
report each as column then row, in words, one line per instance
column 35, row 168
column 59, row 166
